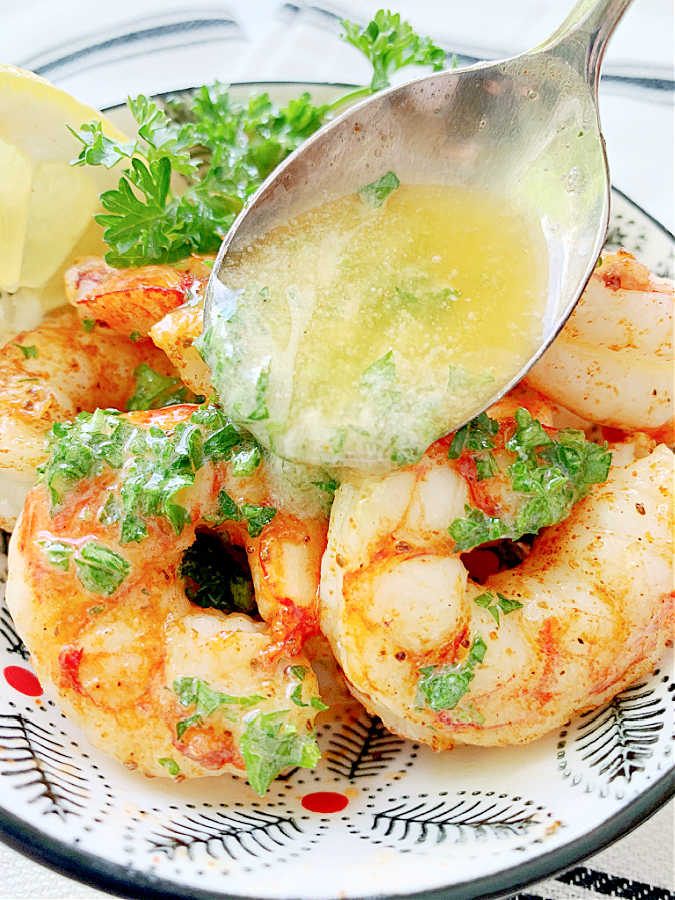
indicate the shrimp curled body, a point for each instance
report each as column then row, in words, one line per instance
column 592, row 610
column 166, row 687
column 164, row 302
column 613, row 361
column 52, row 373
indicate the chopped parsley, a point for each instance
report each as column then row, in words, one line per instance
column 442, row 687
column 246, row 459
column 29, row 351
column 552, row 474
column 155, row 391
column 269, row 745
column 170, row 765
column 256, row 516
column 197, row 693
column 58, row 553
column 88, row 324
column 261, row 412
column 375, row 193
column 476, row 435
column 223, row 149
column 217, row 575
column 493, row 603
column 158, row 465
column 99, row 569
column 380, row 376
column 296, row 696
column 329, row 486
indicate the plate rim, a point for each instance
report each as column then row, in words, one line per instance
column 119, row 880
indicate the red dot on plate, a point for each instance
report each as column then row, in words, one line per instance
column 325, row 802
column 22, row 681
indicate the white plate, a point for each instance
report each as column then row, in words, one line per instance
column 405, row 822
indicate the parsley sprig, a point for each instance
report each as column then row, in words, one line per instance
column 390, row 44
column 196, row 161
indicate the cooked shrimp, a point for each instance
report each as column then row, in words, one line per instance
column 164, row 302
column 133, row 300
column 51, row 373
column 443, row 659
column 613, row 361
column 95, row 588
column 175, row 334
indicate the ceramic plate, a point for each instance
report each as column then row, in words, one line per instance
column 378, row 816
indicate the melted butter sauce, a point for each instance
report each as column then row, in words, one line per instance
column 356, row 335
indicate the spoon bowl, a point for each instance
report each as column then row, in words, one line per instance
column 525, row 129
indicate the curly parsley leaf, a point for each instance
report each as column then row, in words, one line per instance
column 221, row 148
column 442, row 687
column 391, row 44
column 269, row 745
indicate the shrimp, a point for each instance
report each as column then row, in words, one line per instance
column 164, row 302
column 98, row 589
column 51, row 373
column 175, row 334
column 613, row 361
column 133, row 300
column 443, row 659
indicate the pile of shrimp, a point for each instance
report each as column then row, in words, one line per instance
column 374, row 595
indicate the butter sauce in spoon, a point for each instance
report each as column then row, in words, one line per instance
column 408, row 264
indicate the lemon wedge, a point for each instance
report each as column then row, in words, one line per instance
column 46, row 205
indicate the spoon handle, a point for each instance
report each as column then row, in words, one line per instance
column 583, row 36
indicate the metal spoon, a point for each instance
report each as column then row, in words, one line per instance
column 525, row 128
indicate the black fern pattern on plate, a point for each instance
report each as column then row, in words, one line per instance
column 39, row 765
column 618, row 741
column 435, row 819
column 234, row 834
column 362, row 748
column 13, row 643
